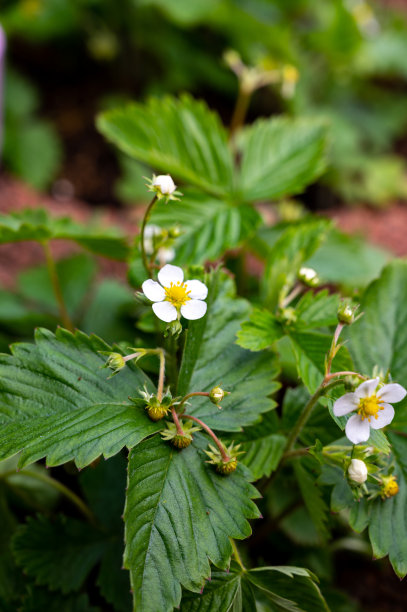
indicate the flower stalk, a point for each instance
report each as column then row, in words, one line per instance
column 225, row 456
column 147, row 265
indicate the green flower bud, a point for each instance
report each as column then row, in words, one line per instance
column 217, row 394
column 173, row 329
column 114, row 362
column 346, row 313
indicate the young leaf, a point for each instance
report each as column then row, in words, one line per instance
column 316, row 310
column 209, row 226
column 212, row 358
column 260, row 331
column 281, row 156
column 36, row 224
column 56, row 402
column 179, row 136
column 179, row 514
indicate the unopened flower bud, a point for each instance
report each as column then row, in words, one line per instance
column 173, row 329
column 357, row 471
column 346, row 313
column 114, row 362
column 389, row 486
column 308, row 277
column 217, row 394
column 164, row 184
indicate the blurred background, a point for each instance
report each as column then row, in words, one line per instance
column 344, row 60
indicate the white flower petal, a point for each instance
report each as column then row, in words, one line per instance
column 198, row 291
column 165, row 311
column 165, row 183
column 392, row 393
column 367, row 388
column 153, row 290
column 166, row 254
column 345, row 404
column 384, row 417
column 170, row 274
column 194, row 309
column 357, row 430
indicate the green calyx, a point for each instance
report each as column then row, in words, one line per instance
column 178, row 439
column 227, row 463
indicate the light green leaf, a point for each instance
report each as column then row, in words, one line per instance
column 179, row 514
column 281, row 157
column 317, row 310
column 58, row 553
column 209, row 226
column 181, row 137
column 211, row 358
column 36, row 224
column 56, row 402
column 260, row 331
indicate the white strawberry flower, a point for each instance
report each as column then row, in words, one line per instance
column 371, row 406
column 173, row 297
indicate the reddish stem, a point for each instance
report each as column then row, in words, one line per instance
column 345, row 373
column 175, row 418
column 225, row 456
column 186, row 397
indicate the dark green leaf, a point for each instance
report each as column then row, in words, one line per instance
column 59, row 553
column 312, row 496
column 222, row 593
column 212, row 358
column 281, row 157
column 179, row 514
column 181, row 137
column 56, row 402
column 42, row 599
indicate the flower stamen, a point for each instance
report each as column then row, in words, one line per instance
column 177, row 294
column 369, row 407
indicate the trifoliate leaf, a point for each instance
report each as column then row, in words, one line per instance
column 36, row 224
column 179, row 136
column 281, row 156
column 180, row 513
column 211, row 358
column 56, row 401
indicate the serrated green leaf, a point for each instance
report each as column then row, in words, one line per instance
column 291, row 589
column 312, row 496
column 317, row 310
column 36, row 224
column 179, row 515
column 310, row 350
column 260, row 331
column 58, row 553
column 56, row 401
column 281, row 157
column 388, row 517
column 209, row 226
column 222, row 593
column 212, row 358
column 179, row 136
column 262, row 446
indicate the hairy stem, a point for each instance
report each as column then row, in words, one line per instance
column 240, row 111
column 161, row 376
column 332, row 350
column 79, row 503
column 52, row 271
column 186, row 397
column 225, row 456
column 293, row 294
column 345, row 373
column 148, row 265
column 175, row 418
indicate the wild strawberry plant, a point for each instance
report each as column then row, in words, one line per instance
column 227, row 379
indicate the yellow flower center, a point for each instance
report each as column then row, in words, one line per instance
column 390, row 487
column 369, row 407
column 177, row 294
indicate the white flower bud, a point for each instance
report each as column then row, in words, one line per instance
column 309, row 277
column 357, row 471
column 164, row 183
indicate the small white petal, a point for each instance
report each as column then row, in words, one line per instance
column 165, row 311
column 384, row 417
column 367, row 388
column 392, row 393
column 153, row 290
column 170, row 274
column 198, row 291
column 151, row 230
column 357, row 430
column 345, row 404
column 166, row 254
column 165, row 184
column 194, row 309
